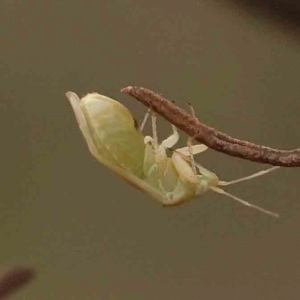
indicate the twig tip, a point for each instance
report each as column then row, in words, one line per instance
column 126, row 89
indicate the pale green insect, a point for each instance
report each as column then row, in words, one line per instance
column 113, row 139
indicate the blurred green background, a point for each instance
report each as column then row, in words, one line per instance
column 88, row 233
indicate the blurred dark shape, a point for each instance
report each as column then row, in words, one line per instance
column 11, row 279
column 285, row 12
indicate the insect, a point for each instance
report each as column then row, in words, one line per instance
column 115, row 141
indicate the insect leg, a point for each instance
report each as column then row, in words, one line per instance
column 190, row 151
column 160, row 150
column 189, row 142
column 155, row 152
column 257, row 174
column 191, row 154
column 195, row 149
column 152, row 139
column 191, row 109
column 154, row 129
column 220, row 191
column 172, row 139
column 182, row 163
column 144, row 121
column 183, row 154
column 184, row 168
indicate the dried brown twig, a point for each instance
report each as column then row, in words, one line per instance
column 211, row 137
column 11, row 279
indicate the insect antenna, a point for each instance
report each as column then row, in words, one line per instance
column 220, row 191
column 257, row 174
